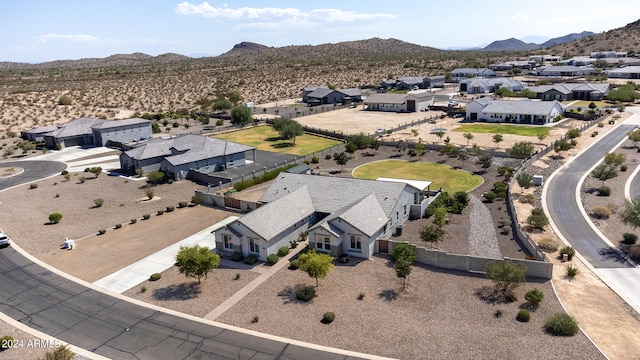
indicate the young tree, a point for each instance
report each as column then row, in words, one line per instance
column 402, row 146
column 634, row 136
column 631, row 213
column 223, row 104
column 419, row 148
column 614, row 159
column 155, row 176
column 605, row 172
column 241, row 115
column 360, row 140
column 505, row 275
column 497, row 138
column 341, row 159
column 521, row 150
column 403, row 270
column 432, row 234
column 316, row 265
column 525, row 180
column 538, row 219
column 462, row 156
column 469, row 136
column 560, row 146
column 440, row 135
column 485, row 160
column 404, row 255
column 542, row 137
column 573, row 133
column 196, row 261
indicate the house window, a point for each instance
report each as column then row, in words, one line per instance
column 254, row 246
column 323, row 243
column 405, row 209
column 356, row 243
column 227, row 242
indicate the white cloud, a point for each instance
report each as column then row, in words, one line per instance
column 79, row 38
column 519, row 16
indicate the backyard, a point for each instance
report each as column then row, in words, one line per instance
column 505, row 129
column 265, row 138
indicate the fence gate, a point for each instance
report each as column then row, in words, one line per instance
column 232, row 202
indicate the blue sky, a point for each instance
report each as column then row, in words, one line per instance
column 45, row 30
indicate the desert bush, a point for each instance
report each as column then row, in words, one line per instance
column 155, row 276
column 160, row 212
column 604, row 191
column 6, row 342
column 498, row 313
column 523, row 315
column 195, row 200
column 118, row 226
column 102, row 231
column 601, row 124
column 594, row 134
column 505, row 170
column 623, row 168
column 182, row 204
column 60, row 353
column 293, row 244
column 283, row 251
column 561, row 324
column 146, row 216
column 170, row 208
column 315, row 160
column 306, row 293
column 569, row 250
column 55, row 217
column 538, row 219
column 634, row 251
column 629, row 238
column 527, row 199
column 98, row 202
column 294, row 264
column 572, row 271
column 600, row 212
column 490, row 196
column 64, row 172
column 534, row 296
column 548, row 245
column 328, row 317
column 272, row 259
column 237, row 256
column 33, row 186
column 149, row 192
column 251, row 259
column 82, row 179
column 361, row 296
column 67, row 176
column 133, row 221
column 327, row 157
column 256, row 318
column 504, row 222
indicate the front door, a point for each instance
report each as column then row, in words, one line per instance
column 383, row 246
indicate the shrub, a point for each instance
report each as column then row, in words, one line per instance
column 98, row 202
column 538, row 219
column 490, row 196
column 195, row 200
column 143, row 289
column 160, row 212
column 133, row 221
column 600, row 212
column 548, row 245
column 251, row 259
column 67, row 177
column 146, row 216
column 504, row 221
column 55, row 217
column 534, row 296
column 272, row 259
column 315, row 160
column 118, row 226
column 149, row 192
column 237, row 277
column 6, row 342
column 594, row 134
column 255, row 319
column 361, row 296
column 601, row 124
column 327, row 157
column 561, row 324
column 237, row 256
column 306, row 293
column 629, row 238
column 155, row 276
column 505, row 170
column 527, row 199
column 293, row 244
column 634, row 251
column 412, row 152
column 498, row 313
column 82, row 179
column 523, row 315
column 64, row 172
column 219, row 122
column 60, row 353
column 102, row 231
column 182, row 204
column 294, row 264
column 604, row 191
column 170, row 208
column 569, row 250
column 33, row 186
column 572, row 270
column 623, row 168
column 328, row 317
column 283, row 251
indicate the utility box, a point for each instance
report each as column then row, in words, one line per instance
column 538, row 180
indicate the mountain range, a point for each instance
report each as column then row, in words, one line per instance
column 513, row 44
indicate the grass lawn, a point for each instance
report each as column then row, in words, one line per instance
column 265, row 138
column 513, row 129
column 585, row 104
column 441, row 175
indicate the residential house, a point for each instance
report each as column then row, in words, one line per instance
column 608, row 54
column 519, row 111
column 89, row 131
column 479, row 85
column 410, row 102
column 571, row 91
column 618, row 62
column 464, row 73
column 565, row 70
column 540, row 59
column 339, row 215
column 177, row 155
column 508, row 65
column 37, row 134
column 579, row 61
column 322, row 95
column 413, row 82
column 627, row 72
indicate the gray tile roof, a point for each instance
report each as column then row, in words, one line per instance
column 525, row 107
column 488, row 82
column 351, row 92
column 76, row 127
column 385, row 98
column 625, row 70
column 41, row 130
column 366, row 215
column 273, row 218
column 107, row 124
column 568, row 88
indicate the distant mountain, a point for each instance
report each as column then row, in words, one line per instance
column 519, row 45
column 534, row 39
column 245, row 48
column 624, row 38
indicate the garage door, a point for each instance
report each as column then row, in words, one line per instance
column 411, row 105
column 74, row 141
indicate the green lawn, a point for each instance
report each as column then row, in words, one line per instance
column 441, row 175
column 585, row 104
column 514, row 129
column 265, row 138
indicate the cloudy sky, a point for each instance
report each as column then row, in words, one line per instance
column 45, row 30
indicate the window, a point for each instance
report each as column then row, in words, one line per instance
column 227, row 242
column 356, row 243
column 405, row 209
column 254, row 246
column 323, row 243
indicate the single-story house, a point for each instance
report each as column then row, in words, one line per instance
column 339, row 215
column 322, row 95
column 516, row 64
column 399, row 102
column 37, row 134
column 89, row 131
column 479, row 85
column 545, row 58
column 608, row 54
column 519, row 111
column 618, row 62
column 411, row 82
column 571, row 91
column 579, row 61
column 175, row 156
column 627, row 72
column 565, row 70
column 463, row 73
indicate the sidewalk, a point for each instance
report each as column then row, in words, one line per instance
column 271, row 270
column 123, row 280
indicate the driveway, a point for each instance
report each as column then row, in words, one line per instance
column 34, row 170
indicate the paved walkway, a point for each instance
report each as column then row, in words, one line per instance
column 232, row 300
column 124, row 279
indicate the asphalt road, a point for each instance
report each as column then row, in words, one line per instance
column 564, row 210
column 34, row 170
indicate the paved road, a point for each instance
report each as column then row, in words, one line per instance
column 34, row 170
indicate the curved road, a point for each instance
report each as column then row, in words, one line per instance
column 115, row 328
column 562, row 204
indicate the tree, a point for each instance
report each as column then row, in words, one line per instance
column 505, row 275
column 469, row 136
column 605, row 172
column 360, row 141
column 241, row 115
column 497, row 138
column 560, row 146
column 196, row 261
column 449, row 149
column 538, row 219
column 234, row 97
column 525, row 180
column 288, row 129
column 634, row 136
column 440, row 216
column 462, row 156
column 419, row 148
column 155, row 176
column 521, row 150
column 341, row 159
column 592, row 105
column 316, row 265
column 374, row 144
column 432, row 234
column 404, row 255
column 573, row 133
column 541, row 137
column 350, row 148
column 402, row 146
column 631, row 213
column 222, row 104
column 614, row 159
column 485, row 160
column 440, row 134
column 624, row 93
column 403, row 270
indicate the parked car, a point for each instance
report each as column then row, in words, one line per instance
column 453, row 103
column 4, row 239
column 381, row 131
column 223, row 116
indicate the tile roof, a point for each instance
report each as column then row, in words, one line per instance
column 107, row 124
column 385, row 98
column 568, row 88
column 625, row 70
column 526, row 107
column 366, row 215
column 76, row 127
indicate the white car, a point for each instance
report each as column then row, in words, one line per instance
column 4, row 239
